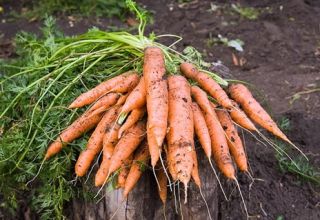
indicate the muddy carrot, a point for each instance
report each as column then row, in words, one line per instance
column 163, row 181
column 135, row 115
column 234, row 141
column 239, row 117
column 181, row 130
column 207, row 83
column 124, row 171
column 119, row 84
column 157, row 100
column 137, row 98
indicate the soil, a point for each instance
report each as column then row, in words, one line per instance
column 282, row 57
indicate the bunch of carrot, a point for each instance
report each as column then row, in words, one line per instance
column 155, row 118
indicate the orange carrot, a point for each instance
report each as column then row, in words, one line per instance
column 135, row 115
column 243, row 96
column 110, row 140
column 207, row 83
column 107, row 100
column 141, row 158
column 239, row 117
column 201, row 129
column 163, row 181
column 180, row 134
column 120, row 84
column 201, row 99
column 80, row 126
column 94, row 144
column 124, row 171
column 126, row 145
column 234, row 141
column 157, row 100
column 220, row 149
column 137, row 98
column 195, row 169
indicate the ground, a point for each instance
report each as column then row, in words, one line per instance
column 282, row 57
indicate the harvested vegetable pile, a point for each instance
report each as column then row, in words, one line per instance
column 146, row 105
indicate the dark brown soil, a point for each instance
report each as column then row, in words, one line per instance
column 282, row 58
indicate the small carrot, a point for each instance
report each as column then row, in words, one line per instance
column 181, row 130
column 234, row 141
column 107, row 100
column 201, row 129
column 135, row 115
column 136, row 99
column 157, row 100
column 195, row 170
column 126, row 145
column 243, row 96
column 110, row 139
column 163, row 181
column 94, row 144
column 201, row 99
column 119, row 84
column 220, row 149
column 207, row 83
column 239, row 117
column 141, row 158
column 124, row 171
column 80, row 126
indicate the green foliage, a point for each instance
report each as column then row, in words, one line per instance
column 299, row 165
column 246, row 12
column 85, row 8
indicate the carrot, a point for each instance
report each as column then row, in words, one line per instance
column 219, row 145
column 207, row 83
column 234, row 141
column 137, row 98
column 201, row 99
column 254, row 110
column 163, row 181
column 110, row 139
column 107, row 100
column 122, row 99
column 239, row 117
column 201, row 129
column 120, row 84
column 124, row 171
column 126, row 145
column 157, row 100
column 180, row 134
column 141, row 158
column 195, row 170
column 135, row 115
column 80, row 126
column 94, row 144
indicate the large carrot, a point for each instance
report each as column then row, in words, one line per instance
column 207, row 83
column 157, row 100
column 126, row 145
column 181, row 130
column 84, row 123
column 219, row 144
column 94, row 144
column 135, row 115
column 254, row 110
column 140, row 160
column 201, row 129
column 124, row 171
column 137, row 98
column 120, row 84
column 110, row 140
column 239, row 117
column 234, row 141
column 163, row 181
column 201, row 99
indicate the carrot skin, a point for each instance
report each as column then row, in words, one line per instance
column 157, row 99
column 201, row 129
column 234, row 141
column 207, row 83
column 220, row 149
column 124, row 171
column 141, row 158
column 120, row 84
column 163, row 181
column 135, row 115
column 239, row 117
column 94, row 144
column 201, row 99
column 181, row 128
column 137, row 98
column 195, row 170
column 254, row 110
column 126, row 145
